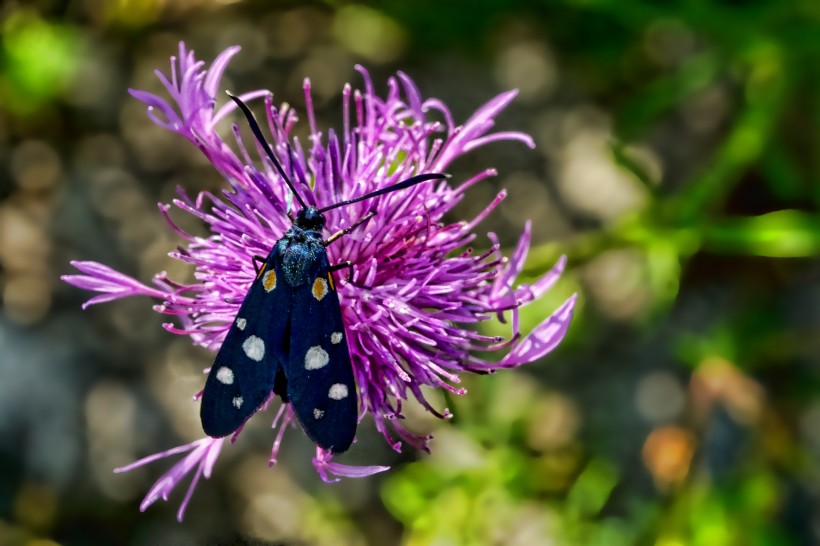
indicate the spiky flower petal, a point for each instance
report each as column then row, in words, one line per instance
column 417, row 288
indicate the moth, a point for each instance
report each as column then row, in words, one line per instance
column 288, row 337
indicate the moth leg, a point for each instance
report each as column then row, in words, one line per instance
column 342, row 265
column 345, row 231
column 257, row 261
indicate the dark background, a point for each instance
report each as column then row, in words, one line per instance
column 677, row 167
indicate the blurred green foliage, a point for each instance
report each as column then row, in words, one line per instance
column 682, row 409
column 38, row 59
column 766, row 52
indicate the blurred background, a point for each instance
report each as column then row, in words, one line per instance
column 677, row 166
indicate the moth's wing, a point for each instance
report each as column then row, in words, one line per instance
column 320, row 380
column 244, row 371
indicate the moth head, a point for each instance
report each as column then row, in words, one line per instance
column 310, row 218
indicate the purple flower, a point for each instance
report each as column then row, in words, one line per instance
column 417, row 289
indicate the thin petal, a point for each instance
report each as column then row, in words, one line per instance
column 217, row 69
column 544, row 337
column 323, row 464
column 496, row 137
column 172, row 120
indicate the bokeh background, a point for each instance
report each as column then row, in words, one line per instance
column 677, row 166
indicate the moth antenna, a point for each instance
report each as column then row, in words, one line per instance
column 412, row 181
column 260, row 138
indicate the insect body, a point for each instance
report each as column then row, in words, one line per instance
column 288, row 337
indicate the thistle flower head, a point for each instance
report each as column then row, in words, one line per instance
column 417, row 288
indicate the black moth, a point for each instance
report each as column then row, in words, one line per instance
column 288, row 337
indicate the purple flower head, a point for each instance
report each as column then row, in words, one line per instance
column 417, row 289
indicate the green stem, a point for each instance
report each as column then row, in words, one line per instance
column 765, row 91
column 781, row 234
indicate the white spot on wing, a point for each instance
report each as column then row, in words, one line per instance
column 317, row 413
column 338, row 391
column 241, row 323
column 237, row 401
column 224, row 375
column 316, row 358
column 336, row 338
column 254, row 348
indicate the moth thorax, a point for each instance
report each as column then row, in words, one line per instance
column 310, row 218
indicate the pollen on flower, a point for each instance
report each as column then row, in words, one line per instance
column 421, row 260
